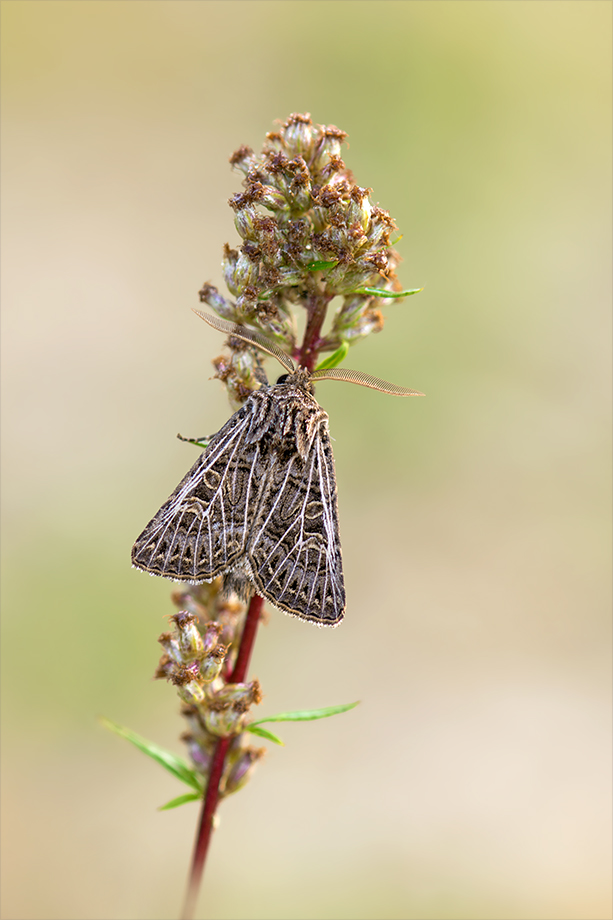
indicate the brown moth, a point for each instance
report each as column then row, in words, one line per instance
column 260, row 502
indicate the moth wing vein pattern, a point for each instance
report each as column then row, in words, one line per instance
column 207, row 495
column 263, row 495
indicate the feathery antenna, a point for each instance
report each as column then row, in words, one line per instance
column 335, row 373
column 251, row 336
column 364, row 380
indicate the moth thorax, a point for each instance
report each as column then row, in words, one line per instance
column 306, row 423
column 301, row 378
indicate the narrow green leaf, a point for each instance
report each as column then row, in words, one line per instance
column 175, row 765
column 181, row 800
column 321, row 266
column 306, row 715
column 202, row 443
column 397, row 240
column 379, row 292
column 335, row 358
column 264, row 733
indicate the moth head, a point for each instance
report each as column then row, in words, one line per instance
column 293, row 369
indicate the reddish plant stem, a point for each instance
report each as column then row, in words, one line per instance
column 203, row 837
column 247, row 640
column 316, row 307
column 211, row 799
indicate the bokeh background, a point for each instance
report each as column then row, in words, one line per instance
column 473, row 781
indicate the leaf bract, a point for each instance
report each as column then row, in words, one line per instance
column 175, row 765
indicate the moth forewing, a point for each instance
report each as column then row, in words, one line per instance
column 262, row 498
column 200, row 531
column 293, row 552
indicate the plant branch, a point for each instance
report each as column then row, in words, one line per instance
column 316, row 306
column 211, row 799
column 247, row 640
column 203, row 837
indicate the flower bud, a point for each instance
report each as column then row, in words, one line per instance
column 210, row 636
column 298, row 135
column 268, row 239
column 380, row 226
column 290, row 276
column 370, row 321
column 190, row 640
column 164, row 669
column 242, row 769
column 243, row 363
column 185, row 679
column 227, row 721
column 201, row 758
column 279, row 329
column 247, row 693
column 191, row 692
column 244, row 159
column 359, row 208
column 228, row 266
column 171, row 647
column 246, row 271
column 349, row 313
column 295, row 183
column 210, row 667
column 376, row 261
column 328, row 146
column 271, row 198
column 245, row 222
column 319, row 217
column 247, row 301
column 210, row 295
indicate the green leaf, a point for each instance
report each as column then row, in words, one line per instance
column 264, row 733
column 181, row 800
column 202, row 443
column 306, row 715
column 175, row 765
column 397, row 240
column 335, row 358
column 321, row 266
column 379, row 292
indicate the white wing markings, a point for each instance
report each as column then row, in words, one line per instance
column 185, row 494
column 328, row 518
column 301, row 519
column 217, row 494
column 272, row 510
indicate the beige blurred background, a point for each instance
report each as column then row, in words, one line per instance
column 474, row 779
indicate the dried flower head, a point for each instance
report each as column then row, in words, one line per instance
column 309, row 234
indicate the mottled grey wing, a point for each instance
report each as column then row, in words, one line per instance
column 201, row 530
column 294, row 550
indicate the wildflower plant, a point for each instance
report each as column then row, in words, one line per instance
column 311, row 242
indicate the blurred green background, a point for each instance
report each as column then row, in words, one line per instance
column 473, row 781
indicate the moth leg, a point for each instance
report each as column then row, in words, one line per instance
column 199, row 442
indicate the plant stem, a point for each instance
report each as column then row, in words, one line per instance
column 209, row 805
column 316, row 306
column 247, row 640
column 203, row 837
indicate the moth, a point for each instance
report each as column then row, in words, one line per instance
column 260, row 502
